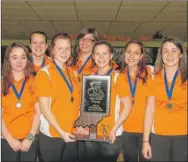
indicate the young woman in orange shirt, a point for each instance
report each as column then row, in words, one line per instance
column 20, row 111
column 57, row 90
column 81, row 62
column 136, row 73
column 102, row 56
column 38, row 46
column 167, row 121
column 82, row 57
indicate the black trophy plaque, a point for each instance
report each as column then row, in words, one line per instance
column 94, row 106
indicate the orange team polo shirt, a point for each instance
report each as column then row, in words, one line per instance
column 116, row 91
column 47, row 61
column 135, row 121
column 65, row 111
column 169, row 121
column 87, row 68
column 19, row 120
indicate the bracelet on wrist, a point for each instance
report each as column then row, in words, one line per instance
column 31, row 137
column 145, row 141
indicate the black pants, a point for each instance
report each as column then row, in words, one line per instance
column 55, row 149
column 38, row 152
column 8, row 154
column 132, row 147
column 90, row 152
column 108, row 151
column 102, row 151
column 169, row 148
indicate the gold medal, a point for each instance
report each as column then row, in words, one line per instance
column 18, row 105
column 169, row 105
column 79, row 79
column 133, row 101
column 72, row 99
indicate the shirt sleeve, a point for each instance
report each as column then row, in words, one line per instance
column 121, row 86
column 42, row 83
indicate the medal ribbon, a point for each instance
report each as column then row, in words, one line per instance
column 43, row 61
column 80, row 70
column 109, row 71
column 18, row 95
column 70, row 87
column 169, row 91
column 132, row 87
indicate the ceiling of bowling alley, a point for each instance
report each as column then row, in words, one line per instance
column 126, row 18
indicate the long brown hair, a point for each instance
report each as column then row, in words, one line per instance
column 82, row 33
column 7, row 69
column 183, row 60
column 142, row 70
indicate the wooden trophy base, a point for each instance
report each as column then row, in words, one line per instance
column 90, row 138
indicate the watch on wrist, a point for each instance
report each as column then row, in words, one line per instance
column 31, row 137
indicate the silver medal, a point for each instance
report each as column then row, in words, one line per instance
column 18, row 105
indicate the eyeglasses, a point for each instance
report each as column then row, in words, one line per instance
column 86, row 40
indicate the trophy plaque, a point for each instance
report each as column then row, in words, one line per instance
column 94, row 106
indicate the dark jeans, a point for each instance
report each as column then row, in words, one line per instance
column 102, row 151
column 8, row 154
column 169, row 148
column 132, row 147
column 55, row 149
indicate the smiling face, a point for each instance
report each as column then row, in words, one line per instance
column 17, row 59
column 102, row 55
column 86, row 43
column 38, row 45
column 62, row 50
column 171, row 54
column 133, row 54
